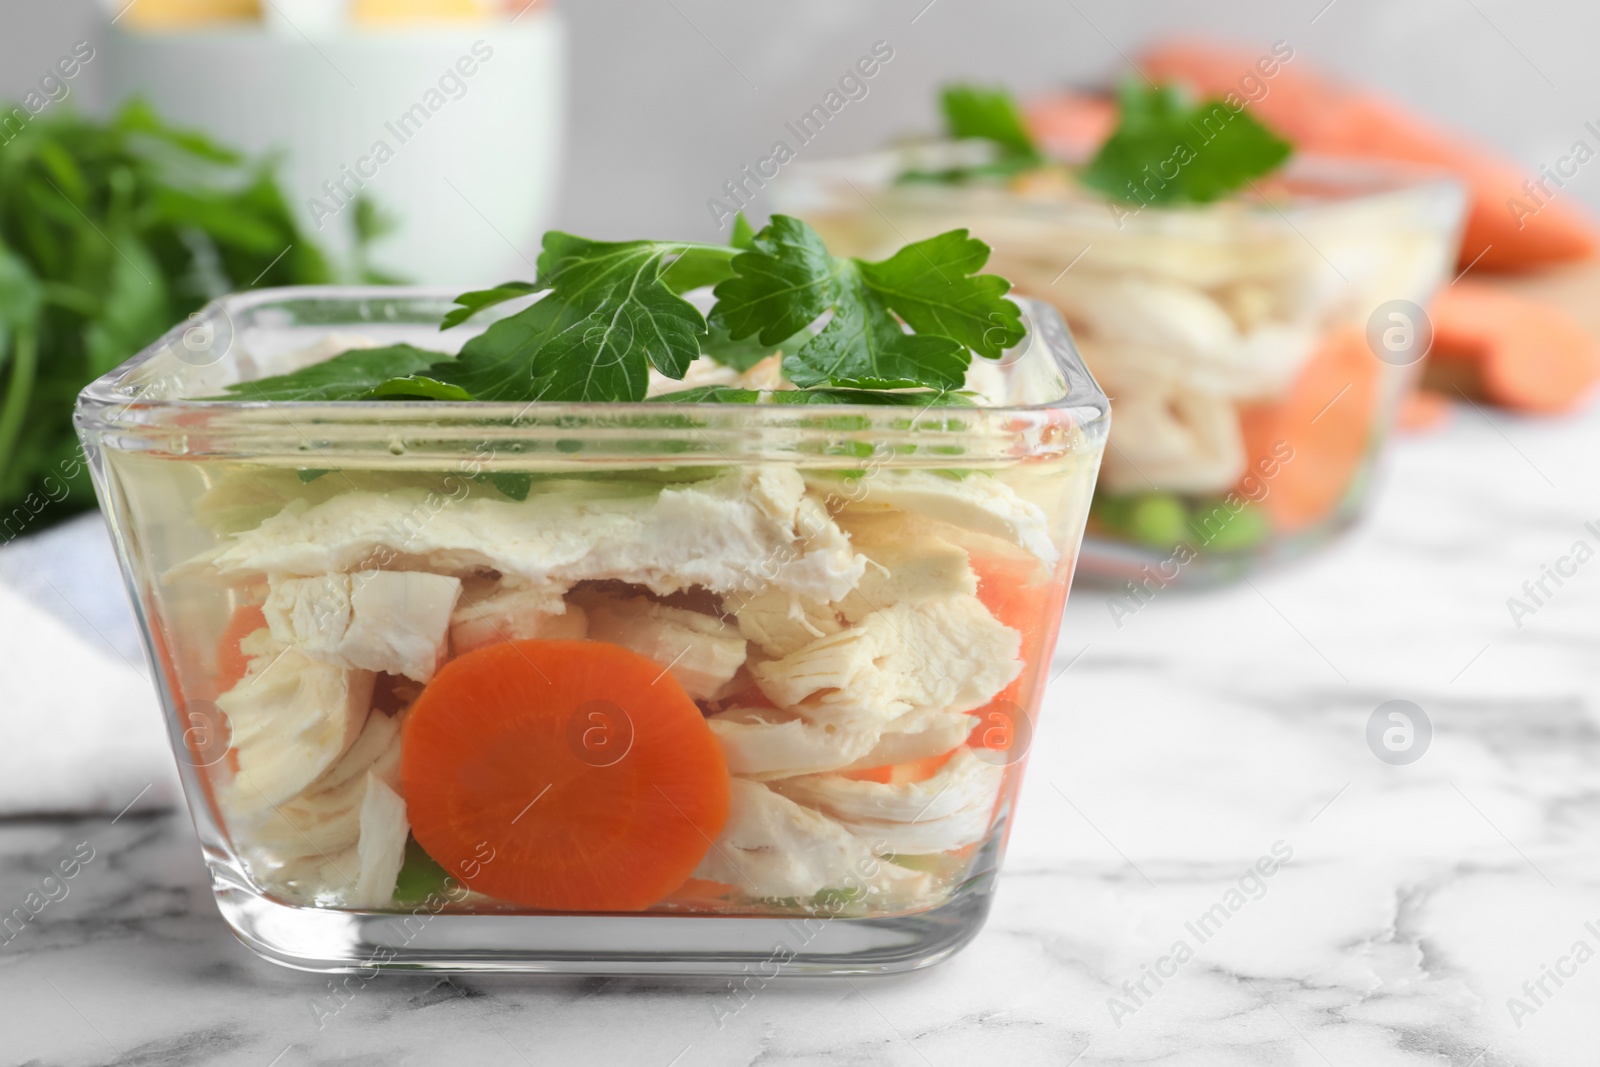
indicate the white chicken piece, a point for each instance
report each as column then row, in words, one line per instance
column 513, row 613
column 381, row 850
column 907, row 562
column 915, row 737
column 291, row 718
column 343, row 840
column 1166, row 320
column 743, row 529
column 773, row 847
column 978, row 502
column 390, row 621
column 910, row 563
column 1270, row 357
column 767, row 743
column 951, row 810
column 766, row 374
column 700, row 372
column 1182, row 442
column 701, row 651
column 325, row 818
column 761, row 743
column 988, row 379
column 945, row 654
column 779, row 622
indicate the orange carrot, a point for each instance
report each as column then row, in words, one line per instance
column 1072, row 125
column 1509, row 226
column 1422, row 410
column 1510, row 350
column 1010, row 588
column 563, row 775
column 231, row 663
column 1327, row 419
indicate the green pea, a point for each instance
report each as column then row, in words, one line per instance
column 1157, row 520
column 1246, row 529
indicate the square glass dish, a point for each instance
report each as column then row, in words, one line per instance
column 605, row 688
column 1256, row 349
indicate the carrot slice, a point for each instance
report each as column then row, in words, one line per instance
column 231, row 663
column 1508, row 228
column 1010, row 589
column 1510, row 350
column 1327, row 418
column 563, row 775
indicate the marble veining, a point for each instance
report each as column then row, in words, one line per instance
column 1424, row 913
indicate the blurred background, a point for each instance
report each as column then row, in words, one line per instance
column 665, row 101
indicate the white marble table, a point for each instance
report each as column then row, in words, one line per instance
column 1176, row 751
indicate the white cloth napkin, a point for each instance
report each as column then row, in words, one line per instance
column 80, row 729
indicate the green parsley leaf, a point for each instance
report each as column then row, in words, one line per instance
column 708, row 394
column 418, row 387
column 971, row 111
column 781, row 285
column 788, row 279
column 1165, row 150
column 611, row 313
column 514, row 484
column 934, row 285
column 744, row 234
column 743, row 354
column 498, row 364
column 472, row 303
column 351, row 375
column 865, row 347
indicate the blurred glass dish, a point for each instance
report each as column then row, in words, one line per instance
column 546, row 686
column 1255, row 349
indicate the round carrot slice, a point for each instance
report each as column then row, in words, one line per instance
column 563, row 775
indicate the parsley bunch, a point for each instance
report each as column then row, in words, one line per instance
column 611, row 311
column 111, row 231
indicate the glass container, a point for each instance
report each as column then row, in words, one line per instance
column 1256, row 349
column 608, row 688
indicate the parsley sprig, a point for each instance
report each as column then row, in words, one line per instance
column 612, row 311
column 1167, row 150
column 788, row 279
column 1164, row 150
column 975, row 113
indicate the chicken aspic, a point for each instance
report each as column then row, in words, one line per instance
column 792, row 685
column 1253, row 323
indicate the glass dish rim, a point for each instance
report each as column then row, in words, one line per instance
column 1370, row 180
column 104, row 405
